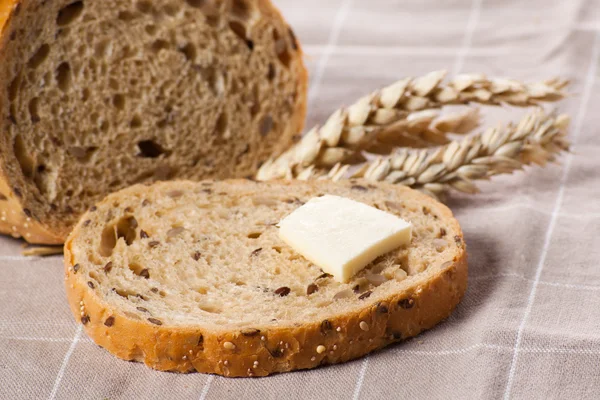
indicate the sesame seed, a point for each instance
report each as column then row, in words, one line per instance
column 364, row 326
column 287, row 345
column 321, row 349
column 184, row 358
column 28, row 219
column 335, row 346
column 352, row 341
column 28, row 234
column 312, row 358
column 339, row 329
column 281, row 342
column 226, row 362
column 370, row 340
column 82, row 313
column 81, row 303
column 191, row 352
column 331, row 352
column 256, row 363
column 229, row 345
column 263, row 338
column 25, row 225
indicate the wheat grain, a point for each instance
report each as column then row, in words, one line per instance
column 404, row 114
column 536, row 139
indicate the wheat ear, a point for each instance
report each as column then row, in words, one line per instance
column 536, row 139
column 404, row 111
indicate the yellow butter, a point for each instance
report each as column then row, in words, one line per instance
column 342, row 236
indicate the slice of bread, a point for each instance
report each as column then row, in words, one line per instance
column 193, row 276
column 97, row 95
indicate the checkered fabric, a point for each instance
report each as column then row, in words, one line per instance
column 529, row 325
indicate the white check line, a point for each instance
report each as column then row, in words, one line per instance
column 534, row 208
column 469, row 32
column 44, row 339
column 456, row 351
column 206, row 387
column 338, row 23
column 65, row 362
column 524, row 278
column 589, row 82
column 361, row 378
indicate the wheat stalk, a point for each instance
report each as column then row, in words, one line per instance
column 403, row 114
column 536, row 139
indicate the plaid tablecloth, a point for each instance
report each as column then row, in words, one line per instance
column 529, row 326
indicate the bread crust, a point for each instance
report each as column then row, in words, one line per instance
column 429, row 300
column 16, row 219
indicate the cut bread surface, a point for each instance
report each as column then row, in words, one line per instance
column 189, row 260
column 99, row 95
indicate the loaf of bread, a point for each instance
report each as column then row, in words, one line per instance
column 97, row 95
column 194, row 277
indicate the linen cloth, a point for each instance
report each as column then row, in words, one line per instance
column 529, row 325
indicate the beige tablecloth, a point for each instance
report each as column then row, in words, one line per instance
column 529, row 326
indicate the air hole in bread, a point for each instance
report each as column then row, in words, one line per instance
column 93, row 275
column 113, row 84
column 210, row 308
column 34, row 110
column 171, row 9
column 69, row 13
column 254, row 235
column 119, row 101
column 159, row 44
column 139, row 270
column 126, row 16
column 14, row 86
column 144, row 6
column 175, row 231
column 213, row 78
column 241, row 9
column 255, row 106
column 125, row 293
column 281, row 49
column 102, row 49
column 284, row 56
column 271, row 72
column 63, row 76
column 39, row 57
column 266, row 125
column 136, row 122
column 151, row 29
column 239, row 29
column 150, row 149
column 24, row 158
column 81, row 153
column 126, row 229
column 195, row 3
column 221, row 125
column 189, row 51
column 108, row 241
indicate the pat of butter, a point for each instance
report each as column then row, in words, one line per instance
column 342, row 236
